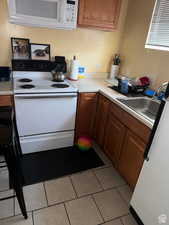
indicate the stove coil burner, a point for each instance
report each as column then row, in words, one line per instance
column 27, row 86
column 60, row 85
column 25, row 80
column 59, row 81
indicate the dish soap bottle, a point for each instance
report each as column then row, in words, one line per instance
column 74, row 69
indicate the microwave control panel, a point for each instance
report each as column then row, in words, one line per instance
column 71, row 11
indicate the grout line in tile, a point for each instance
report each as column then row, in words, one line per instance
column 45, row 193
column 73, row 186
column 35, row 210
column 98, row 208
column 67, row 213
column 4, row 190
column 76, row 198
column 122, row 196
column 33, row 222
column 15, row 202
column 58, row 203
column 67, row 200
column 116, row 218
column 118, row 186
column 14, row 205
column 32, row 210
column 86, row 195
column 97, row 179
column 121, row 221
column 109, row 166
column 5, row 218
column 101, row 167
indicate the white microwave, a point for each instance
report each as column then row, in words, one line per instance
column 57, row 14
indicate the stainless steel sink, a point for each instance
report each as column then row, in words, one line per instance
column 145, row 106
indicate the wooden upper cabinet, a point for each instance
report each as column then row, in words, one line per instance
column 86, row 113
column 114, row 137
column 99, row 14
column 131, row 159
column 101, row 119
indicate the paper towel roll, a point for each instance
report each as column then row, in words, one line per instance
column 74, row 69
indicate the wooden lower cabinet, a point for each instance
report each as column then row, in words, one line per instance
column 86, row 113
column 121, row 136
column 101, row 120
column 114, row 137
column 131, row 159
column 5, row 100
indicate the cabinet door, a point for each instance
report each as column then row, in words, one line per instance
column 131, row 159
column 101, row 119
column 114, row 137
column 86, row 114
column 99, row 14
column 5, row 100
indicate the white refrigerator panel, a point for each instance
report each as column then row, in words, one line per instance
column 151, row 196
column 45, row 114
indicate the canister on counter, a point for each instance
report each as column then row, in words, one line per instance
column 124, row 85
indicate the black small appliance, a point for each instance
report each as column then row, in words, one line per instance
column 5, row 73
column 59, row 64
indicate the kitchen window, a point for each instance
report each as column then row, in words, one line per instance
column 158, row 35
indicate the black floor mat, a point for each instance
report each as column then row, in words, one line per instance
column 42, row 166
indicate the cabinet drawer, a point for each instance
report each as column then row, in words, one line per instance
column 5, row 100
column 88, row 96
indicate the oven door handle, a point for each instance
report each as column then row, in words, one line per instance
column 49, row 95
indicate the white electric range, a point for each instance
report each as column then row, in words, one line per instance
column 45, row 111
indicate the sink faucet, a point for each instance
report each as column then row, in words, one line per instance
column 162, row 88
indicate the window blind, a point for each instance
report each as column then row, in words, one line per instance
column 158, row 35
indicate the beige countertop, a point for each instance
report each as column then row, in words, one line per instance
column 6, row 88
column 90, row 85
column 100, row 85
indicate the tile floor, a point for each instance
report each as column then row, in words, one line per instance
column 93, row 197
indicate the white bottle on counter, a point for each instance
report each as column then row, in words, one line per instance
column 74, row 69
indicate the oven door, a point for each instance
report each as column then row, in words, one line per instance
column 45, row 113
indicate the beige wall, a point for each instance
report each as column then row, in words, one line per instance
column 94, row 48
column 137, row 60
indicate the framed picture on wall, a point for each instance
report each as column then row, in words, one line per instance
column 20, row 48
column 40, row 51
